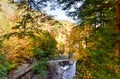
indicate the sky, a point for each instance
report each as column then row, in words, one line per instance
column 58, row 14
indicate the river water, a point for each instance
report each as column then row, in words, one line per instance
column 69, row 71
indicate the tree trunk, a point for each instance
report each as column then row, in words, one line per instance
column 118, row 27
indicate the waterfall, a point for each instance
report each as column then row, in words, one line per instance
column 69, row 71
column 61, row 69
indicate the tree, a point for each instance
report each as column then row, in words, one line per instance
column 29, row 29
column 4, row 66
column 118, row 27
column 100, row 14
column 93, row 11
column 32, row 36
column 99, row 42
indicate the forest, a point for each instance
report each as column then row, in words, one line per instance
column 27, row 32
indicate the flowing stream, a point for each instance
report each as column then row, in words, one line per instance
column 69, row 71
column 62, row 69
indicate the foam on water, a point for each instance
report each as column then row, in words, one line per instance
column 69, row 71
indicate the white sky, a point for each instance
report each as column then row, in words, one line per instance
column 58, row 14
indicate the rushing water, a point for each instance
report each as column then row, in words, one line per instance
column 69, row 71
column 62, row 69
